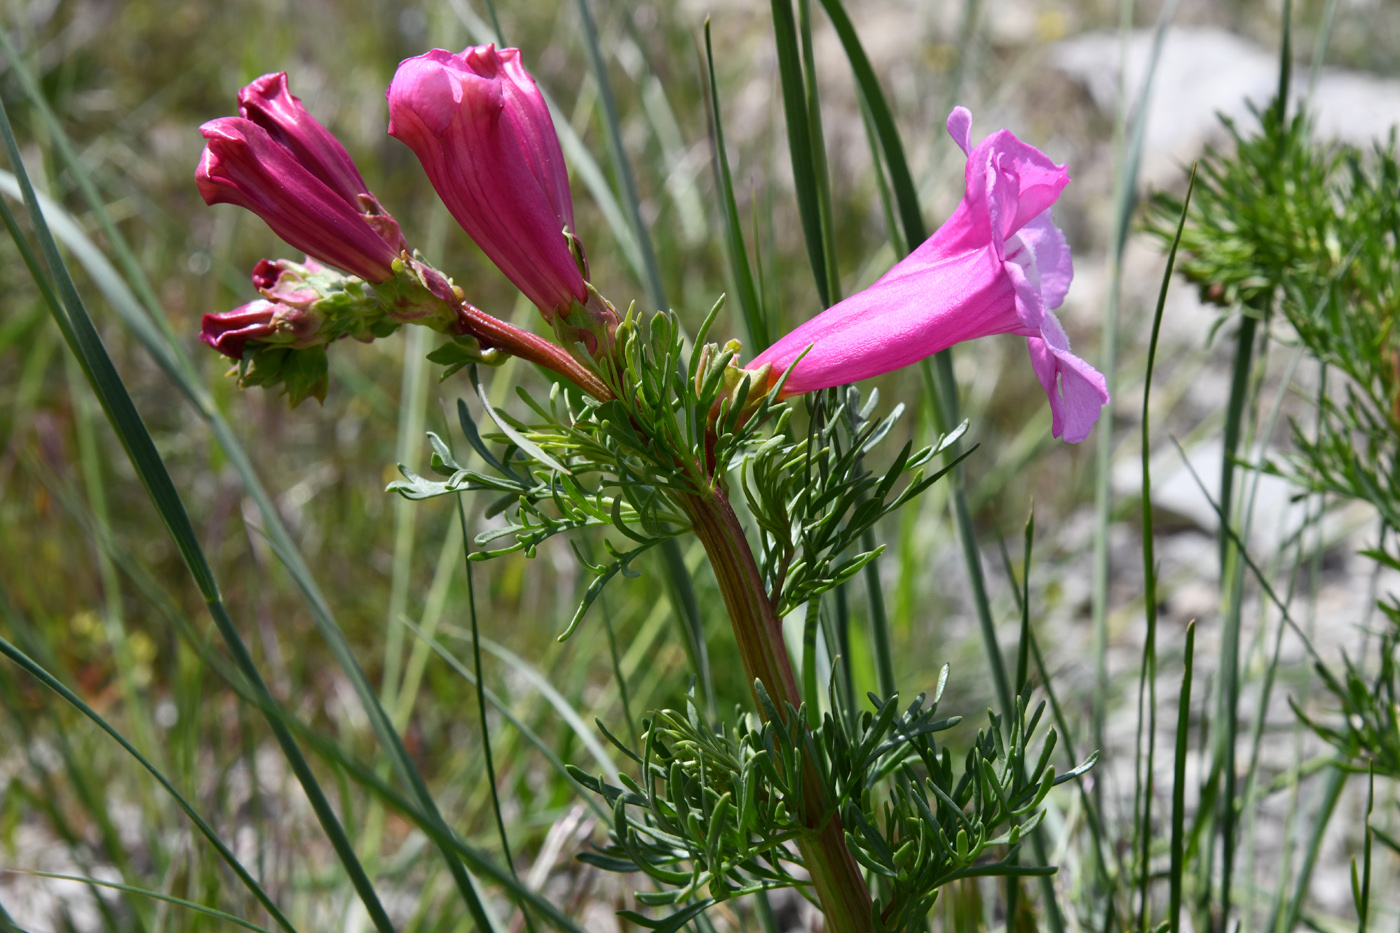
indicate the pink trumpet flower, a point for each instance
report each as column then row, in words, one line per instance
column 483, row 133
column 277, row 161
column 999, row 265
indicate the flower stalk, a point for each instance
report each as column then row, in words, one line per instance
column 496, row 334
column 836, row 878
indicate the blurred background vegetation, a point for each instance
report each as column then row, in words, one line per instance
column 92, row 587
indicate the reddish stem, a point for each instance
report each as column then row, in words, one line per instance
column 493, row 333
column 836, row 877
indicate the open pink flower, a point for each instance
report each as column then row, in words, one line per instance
column 482, row 130
column 277, row 161
column 999, row 265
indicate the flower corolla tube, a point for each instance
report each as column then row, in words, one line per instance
column 481, row 129
column 999, row 265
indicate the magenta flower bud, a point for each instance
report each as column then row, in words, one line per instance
column 303, row 305
column 483, row 133
column 277, row 161
column 287, row 282
column 268, row 271
column 999, row 265
column 258, row 322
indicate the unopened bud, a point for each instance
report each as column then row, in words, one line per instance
column 732, row 387
column 303, row 305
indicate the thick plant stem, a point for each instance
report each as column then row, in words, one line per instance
column 836, row 877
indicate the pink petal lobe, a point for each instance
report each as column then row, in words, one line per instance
column 1037, row 181
column 269, row 103
column 960, row 128
column 1042, row 249
column 1077, row 390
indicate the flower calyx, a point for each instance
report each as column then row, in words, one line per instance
column 588, row 330
column 420, row 294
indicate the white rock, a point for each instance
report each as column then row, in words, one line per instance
column 1206, row 72
column 1277, row 517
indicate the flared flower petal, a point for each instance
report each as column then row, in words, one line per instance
column 268, row 103
column 999, row 265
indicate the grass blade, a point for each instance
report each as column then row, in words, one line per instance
column 905, row 193
column 808, row 153
column 556, row 699
column 509, row 716
column 800, row 144
column 879, row 620
column 681, row 590
column 1128, row 144
column 750, row 302
column 1324, row 38
column 412, row 400
column 818, row 149
column 621, row 164
column 1242, row 390
column 143, row 892
column 1023, row 646
column 1327, row 806
column 1183, row 729
column 1363, row 890
column 1147, row 681
column 481, row 706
